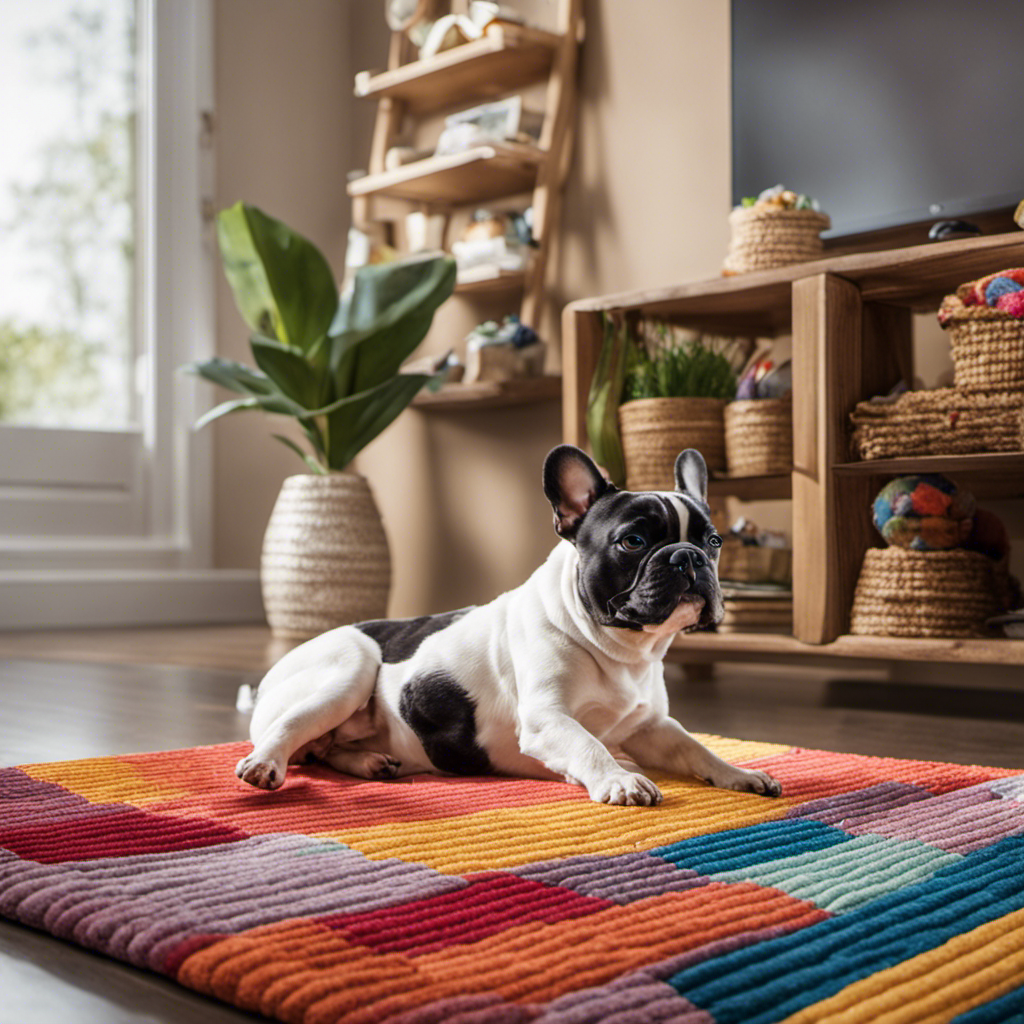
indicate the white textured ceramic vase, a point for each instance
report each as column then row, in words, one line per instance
column 325, row 556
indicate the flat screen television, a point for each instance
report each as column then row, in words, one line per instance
column 888, row 112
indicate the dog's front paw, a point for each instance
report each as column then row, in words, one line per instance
column 745, row 780
column 626, row 788
column 263, row 773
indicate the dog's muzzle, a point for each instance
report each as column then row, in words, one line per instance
column 688, row 561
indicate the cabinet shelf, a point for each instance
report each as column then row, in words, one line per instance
column 851, row 324
column 752, row 488
column 490, row 394
column 507, row 58
column 502, row 282
column 698, row 647
column 474, row 176
column 988, row 474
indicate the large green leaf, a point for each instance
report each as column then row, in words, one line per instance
column 305, row 456
column 234, row 376
column 282, row 284
column 603, row 403
column 288, row 369
column 355, row 421
column 278, row 404
column 388, row 314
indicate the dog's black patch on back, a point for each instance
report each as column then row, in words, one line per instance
column 443, row 716
column 399, row 639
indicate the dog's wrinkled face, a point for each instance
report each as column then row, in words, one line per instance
column 648, row 560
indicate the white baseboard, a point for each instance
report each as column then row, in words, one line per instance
column 53, row 599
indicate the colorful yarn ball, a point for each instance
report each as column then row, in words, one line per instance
column 978, row 295
column 1012, row 303
column 924, row 513
column 1000, row 286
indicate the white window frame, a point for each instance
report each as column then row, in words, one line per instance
column 114, row 527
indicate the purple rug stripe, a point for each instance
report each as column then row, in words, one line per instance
column 486, row 1007
column 647, row 1002
column 139, row 908
column 1011, row 788
column 837, row 810
column 622, row 879
column 957, row 822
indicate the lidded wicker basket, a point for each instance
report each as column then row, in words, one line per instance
column 759, row 436
column 655, row 430
column 987, row 343
column 902, row 592
column 325, row 559
column 766, row 238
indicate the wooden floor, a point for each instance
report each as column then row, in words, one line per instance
column 83, row 694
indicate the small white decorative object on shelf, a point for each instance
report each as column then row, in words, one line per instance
column 505, row 351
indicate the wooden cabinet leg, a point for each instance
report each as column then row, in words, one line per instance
column 827, row 369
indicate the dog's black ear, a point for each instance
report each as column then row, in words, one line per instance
column 572, row 484
column 692, row 475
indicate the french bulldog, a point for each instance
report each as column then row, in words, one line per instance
column 561, row 678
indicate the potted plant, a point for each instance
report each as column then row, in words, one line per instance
column 333, row 363
column 653, row 396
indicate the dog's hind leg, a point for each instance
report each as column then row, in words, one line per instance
column 367, row 764
column 314, row 701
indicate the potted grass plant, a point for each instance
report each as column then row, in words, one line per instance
column 332, row 363
column 656, row 392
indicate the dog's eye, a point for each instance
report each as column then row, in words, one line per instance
column 715, row 541
column 633, row 542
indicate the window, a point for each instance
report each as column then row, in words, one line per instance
column 67, row 189
column 106, row 268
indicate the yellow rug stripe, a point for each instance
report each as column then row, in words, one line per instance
column 933, row 987
column 493, row 839
column 108, row 780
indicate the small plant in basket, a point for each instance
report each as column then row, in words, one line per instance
column 657, row 387
column 685, row 369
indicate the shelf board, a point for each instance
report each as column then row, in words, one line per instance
column 752, row 488
column 704, row 647
column 490, row 394
column 761, row 302
column 507, row 58
column 990, row 474
column 501, row 283
column 474, row 176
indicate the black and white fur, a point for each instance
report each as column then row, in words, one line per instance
column 561, row 678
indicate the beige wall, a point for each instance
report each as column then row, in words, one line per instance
column 646, row 204
column 283, row 79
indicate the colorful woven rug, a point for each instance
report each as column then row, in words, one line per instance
column 873, row 890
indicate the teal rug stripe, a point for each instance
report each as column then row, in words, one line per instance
column 848, row 875
column 756, row 844
column 1008, row 1009
column 766, row 983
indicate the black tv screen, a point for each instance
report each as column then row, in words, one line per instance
column 887, row 112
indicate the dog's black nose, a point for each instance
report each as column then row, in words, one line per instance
column 687, row 560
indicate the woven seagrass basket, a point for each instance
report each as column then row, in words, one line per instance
column 987, row 343
column 928, row 593
column 766, row 238
column 759, row 436
column 655, row 430
column 325, row 556
column 945, row 421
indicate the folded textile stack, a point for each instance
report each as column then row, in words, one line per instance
column 754, row 608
